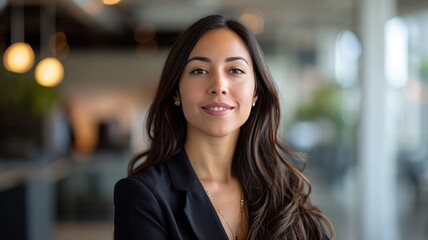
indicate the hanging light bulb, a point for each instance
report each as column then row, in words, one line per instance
column 18, row 58
column 49, row 72
column 111, row 2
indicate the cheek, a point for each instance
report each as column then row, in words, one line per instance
column 247, row 93
column 189, row 96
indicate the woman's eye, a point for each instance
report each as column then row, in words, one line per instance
column 236, row 71
column 198, row 71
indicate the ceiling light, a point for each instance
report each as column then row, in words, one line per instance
column 18, row 58
column 49, row 72
column 111, row 2
column 92, row 7
column 145, row 33
column 58, row 45
column 254, row 20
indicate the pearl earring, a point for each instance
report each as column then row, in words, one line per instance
column 254, row 104
column 177, row 103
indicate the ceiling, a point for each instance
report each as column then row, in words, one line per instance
column 91, row 24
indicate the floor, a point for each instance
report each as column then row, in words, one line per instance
column 83, row 231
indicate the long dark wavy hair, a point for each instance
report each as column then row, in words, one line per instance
column 276, row 191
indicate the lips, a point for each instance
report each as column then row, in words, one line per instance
column 217, row 109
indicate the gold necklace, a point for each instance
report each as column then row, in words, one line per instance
column 234, row 234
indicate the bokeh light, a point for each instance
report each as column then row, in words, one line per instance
column 49, row 72
column 111, row 2
column 18, row 58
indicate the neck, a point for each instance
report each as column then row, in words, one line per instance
column 211, row 158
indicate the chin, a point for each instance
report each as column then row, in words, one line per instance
column 222, row 132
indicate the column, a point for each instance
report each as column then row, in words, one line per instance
column 377, row 149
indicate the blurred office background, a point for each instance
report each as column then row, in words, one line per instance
column 353, row 78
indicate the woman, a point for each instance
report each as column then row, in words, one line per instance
column 215, row 168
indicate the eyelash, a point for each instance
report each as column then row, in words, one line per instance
column 236, row 71
column 200, row 71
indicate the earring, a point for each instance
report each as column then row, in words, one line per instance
column 177, row 103
column 254, row 104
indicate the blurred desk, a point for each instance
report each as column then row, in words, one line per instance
column 27, row 201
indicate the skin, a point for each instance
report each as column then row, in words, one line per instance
column 216, row 92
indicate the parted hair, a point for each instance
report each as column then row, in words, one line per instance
column 276, row 191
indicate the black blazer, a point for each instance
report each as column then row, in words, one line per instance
column 165, row 201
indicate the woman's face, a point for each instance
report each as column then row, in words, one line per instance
column 216, row 89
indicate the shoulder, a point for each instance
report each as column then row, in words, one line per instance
column 139, row 205
column 162, row 181
column 158, row 177
column 143, row 193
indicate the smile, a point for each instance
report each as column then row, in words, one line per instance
column 217, row 109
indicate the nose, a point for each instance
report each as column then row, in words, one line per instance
column 218, row 85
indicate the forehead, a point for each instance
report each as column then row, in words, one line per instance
column 220, row 44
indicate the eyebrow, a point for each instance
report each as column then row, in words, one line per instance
column 205, row 59
column 231, row 59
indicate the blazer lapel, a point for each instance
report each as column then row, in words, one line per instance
column 198, row 208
